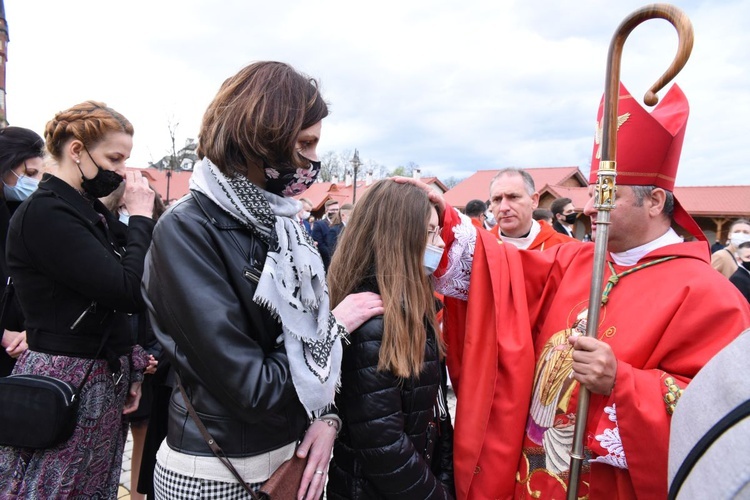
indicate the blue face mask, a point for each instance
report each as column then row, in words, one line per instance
column 432, row 256
column 22, row 190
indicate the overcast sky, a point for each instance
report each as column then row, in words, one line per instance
column 454, row 86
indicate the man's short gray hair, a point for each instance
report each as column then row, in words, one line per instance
column 527, row 179
column 641, row 192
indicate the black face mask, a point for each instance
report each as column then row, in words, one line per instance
column 571, row 218
column 103, row 183
column 746, row 264
column 289, row 180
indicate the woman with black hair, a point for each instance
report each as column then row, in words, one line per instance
column 21, row 167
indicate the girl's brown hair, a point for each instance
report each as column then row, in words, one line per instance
column 257, row 116
column 88, row 122
column 385, row 240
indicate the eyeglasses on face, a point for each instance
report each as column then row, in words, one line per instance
column 433, row 235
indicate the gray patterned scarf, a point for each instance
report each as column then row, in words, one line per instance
column 292, row 285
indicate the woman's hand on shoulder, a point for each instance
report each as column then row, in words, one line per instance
column 317, row 447
column 138, row 196
column 356, row 308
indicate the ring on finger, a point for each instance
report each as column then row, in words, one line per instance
column 319, row 472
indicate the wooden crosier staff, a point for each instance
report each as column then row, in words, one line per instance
column 605, row 185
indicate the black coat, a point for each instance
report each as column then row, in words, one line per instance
column 386, row 447
column 320, row 231
column 200, row 279
column 741, row 279
column 13, row 319
column 557, row 226
column 64, row 262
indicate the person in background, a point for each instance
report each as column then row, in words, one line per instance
column 725, row 260
column 392, row 398
column 304, row 214
column 237, row 296
column 717, row 246
column 475, row 210
column 322, row 227
column 21, row 167
column 564, row 214
column 144, row 337
column 542, row 214
column 741, row 277
column 339, row 224
column 77, row 285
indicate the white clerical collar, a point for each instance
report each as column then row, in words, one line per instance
column 525, row 242
column 632, row 256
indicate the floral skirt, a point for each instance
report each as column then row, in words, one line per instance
column 88, row 464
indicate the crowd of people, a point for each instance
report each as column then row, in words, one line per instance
column 240, row 334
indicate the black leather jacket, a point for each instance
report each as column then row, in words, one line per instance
column 201, row 275
column 389, row 445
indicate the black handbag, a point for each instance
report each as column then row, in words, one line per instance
column 37, row 411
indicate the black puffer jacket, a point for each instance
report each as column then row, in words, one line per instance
column 387, row 445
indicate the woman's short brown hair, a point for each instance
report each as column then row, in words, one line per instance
column 88, row 122
column 256, row 117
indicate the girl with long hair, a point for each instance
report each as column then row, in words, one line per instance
column 392, row 392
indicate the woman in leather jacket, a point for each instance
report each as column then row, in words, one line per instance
column 238, row 299
column 396, row 440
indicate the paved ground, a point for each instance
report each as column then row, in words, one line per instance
column 124, row 491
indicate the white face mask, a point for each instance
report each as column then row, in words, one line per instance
column 490, row 219
column 304, row 215
column 124, row 216
column 738, row 239
column 432, row 256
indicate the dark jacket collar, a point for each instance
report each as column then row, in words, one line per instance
column 68, row 193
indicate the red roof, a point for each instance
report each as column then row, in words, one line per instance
column 569, row 182
column 320, row 192
column 718, row 201
column 578, row 195
column 477, row 187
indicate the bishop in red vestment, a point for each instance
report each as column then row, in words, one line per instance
column 518, row 364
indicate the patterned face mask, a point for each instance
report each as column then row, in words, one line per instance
column 290, row 180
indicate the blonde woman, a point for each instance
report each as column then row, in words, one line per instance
column 77, row 283
column 392, row 397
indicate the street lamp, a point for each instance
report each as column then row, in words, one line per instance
column 355, row 166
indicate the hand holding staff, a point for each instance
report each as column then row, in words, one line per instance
column 605, row 188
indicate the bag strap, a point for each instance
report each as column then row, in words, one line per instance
column 102, row 343
column 6, row 301
column 729, row 420
column 211, row 442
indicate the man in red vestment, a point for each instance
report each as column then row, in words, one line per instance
column 517, row 366
column 513, row 198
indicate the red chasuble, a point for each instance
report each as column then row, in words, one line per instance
column 516, row 400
